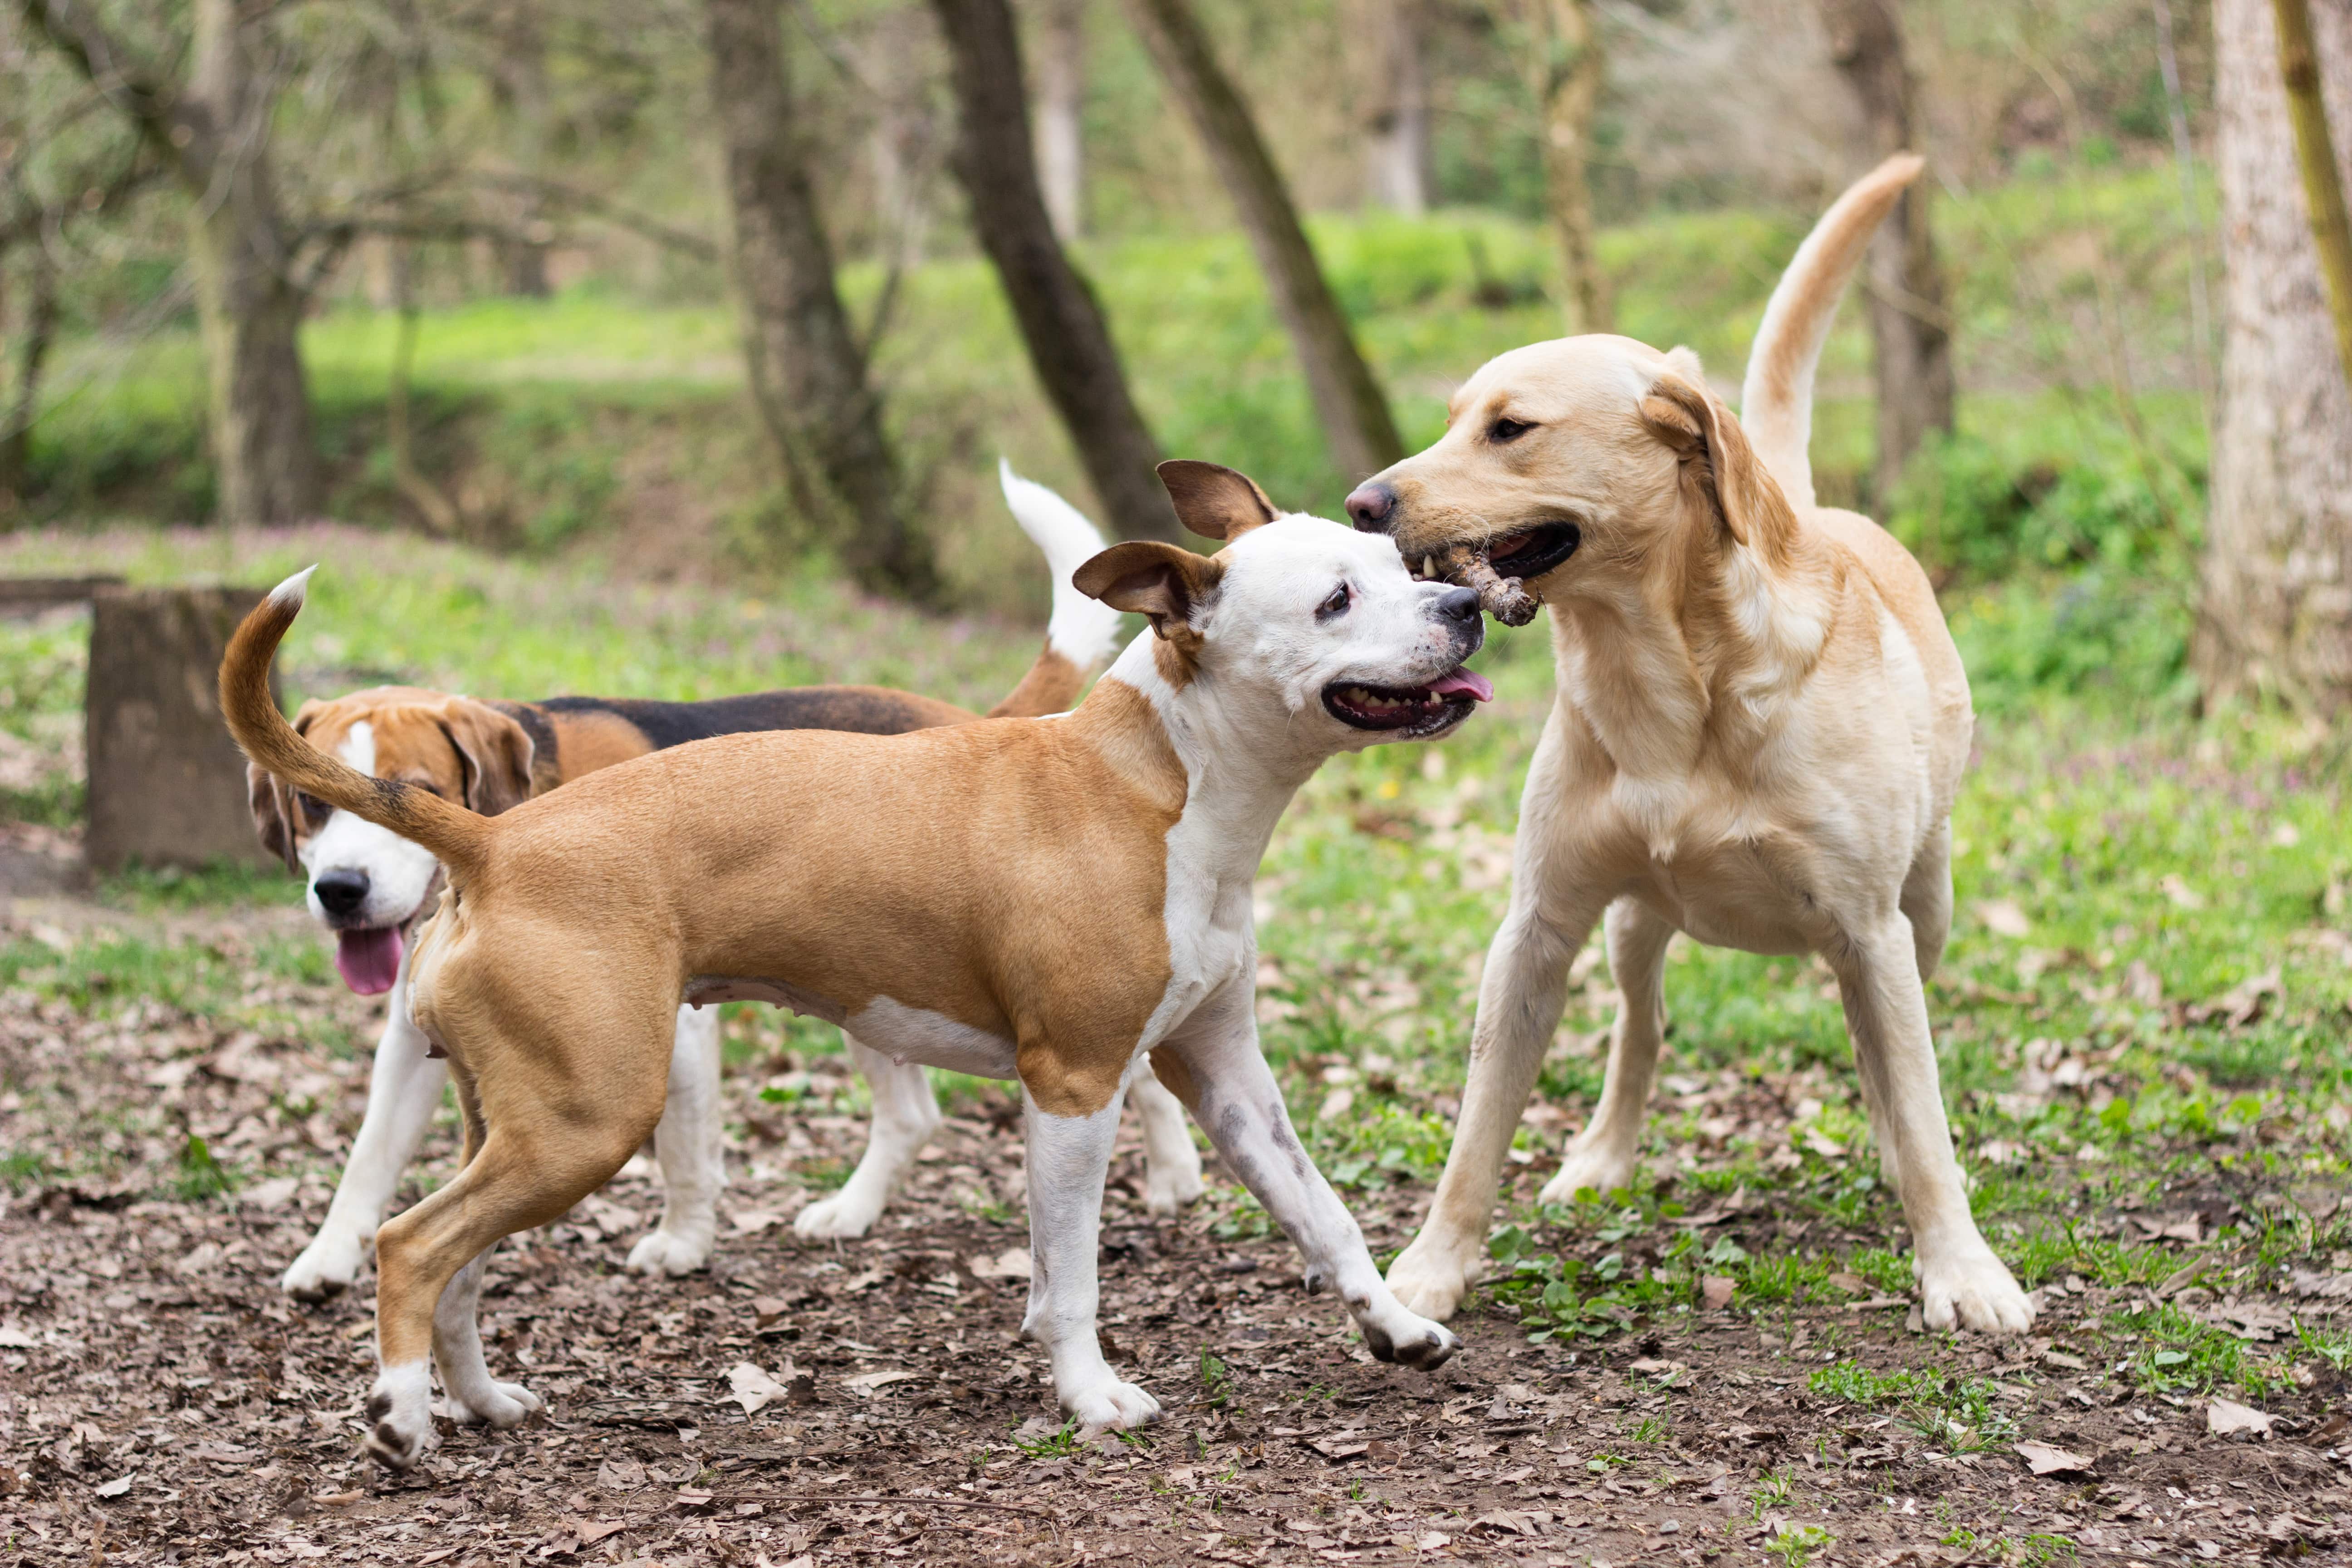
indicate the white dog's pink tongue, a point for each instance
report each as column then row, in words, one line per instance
column 1469, row 680
column 369, row 961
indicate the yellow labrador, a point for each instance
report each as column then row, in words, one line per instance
column 1759, row 727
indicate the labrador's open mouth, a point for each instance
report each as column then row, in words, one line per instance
column 1501, row 567
column 369, row 959
column 1409, row 711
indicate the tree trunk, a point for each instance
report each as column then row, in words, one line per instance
column 2277, row 612
column 25, row 392
column 520, row 82
column 1357, row 425
column 808, row 370
column 1396, row 124
column 166, row 783
column 1068, row 342
column 2315, row 151
column 1061, row 116
column 247, row 300
column 1909, row 311
column 1565, row 72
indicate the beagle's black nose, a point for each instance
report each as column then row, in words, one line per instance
column 1458, row 604
column 341, row 892
column 1369, row 504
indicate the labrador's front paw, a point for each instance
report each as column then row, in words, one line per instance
column 1603, row 1170
column 1969, row 1287
column 495, row 1404
column 1428, row 1279
column 845, row 1216
column 1110, row 1406
column 1410, row 1339
column 400, row 1418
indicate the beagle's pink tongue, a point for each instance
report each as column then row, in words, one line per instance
column 1470, row 681
column 369, row 961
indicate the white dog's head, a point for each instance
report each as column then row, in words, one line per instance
column 1297, row 617
column 369, row 885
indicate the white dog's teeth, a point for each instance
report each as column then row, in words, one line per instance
column 1429, row 566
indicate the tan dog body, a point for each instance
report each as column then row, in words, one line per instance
column 1760, row 725
column 1055, row 899
column 371, row 886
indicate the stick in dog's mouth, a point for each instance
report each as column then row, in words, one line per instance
column 1500, row 568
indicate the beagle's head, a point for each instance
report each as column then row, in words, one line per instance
column 367, row 885
column 1324, row 621
column 1565, row 467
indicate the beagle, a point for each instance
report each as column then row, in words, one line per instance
column 1760, row 725
column 1051, row 900
column 371, row 886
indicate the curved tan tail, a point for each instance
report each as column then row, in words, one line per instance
column 1776, row 406
column 457, row 836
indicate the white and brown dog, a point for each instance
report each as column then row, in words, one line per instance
column 1759, row 727
column 371, row 886
column 1055, row 900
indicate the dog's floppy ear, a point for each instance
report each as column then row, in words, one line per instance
column 275, row 812
column 1215, row 502
column 1715, row 452
column 494, row 753
column 1165, row 583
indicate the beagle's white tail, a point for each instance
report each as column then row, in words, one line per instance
column 1083, row 631
column 1776, row 406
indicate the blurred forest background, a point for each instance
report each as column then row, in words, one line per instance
column 725, row 291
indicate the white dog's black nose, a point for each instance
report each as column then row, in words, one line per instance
column 1458, row 604
column 1368, row 505
column 341, row 892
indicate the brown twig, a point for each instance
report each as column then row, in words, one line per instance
column 874, row 1501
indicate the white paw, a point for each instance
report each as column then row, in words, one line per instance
column 327, row 1266
column 1428, row 1280
column 400, row 1418
column 495, row 1404
column 1396, row 1334
column 1602, row 1170
column 845, row 1216
column 1110, row 1406
column 1971, row 1289
column 669, row 1252
column 1166, row 1192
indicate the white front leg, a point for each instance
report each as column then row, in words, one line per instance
column 688, row 1145
column 403, row 1089
column 906, row 1114
column 474, row 1397
column 1236, row 1101
column 1069, row 1160
column 1171, row 1165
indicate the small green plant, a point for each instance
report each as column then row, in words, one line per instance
column 1650, row 1429
column 2335, row 1347
column 1056, row 1444
column 25, row 1168
column 1216, row 1381
column 1795, row 1544
column 1773, row 1489
column 2038, row 1550
column 1602, row 1462
column 200, row 1175
column 1142, row 1442
column 1958, row 1535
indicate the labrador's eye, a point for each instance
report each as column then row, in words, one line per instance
column 1503, row 431
column 1337, row 604
column 314, row 811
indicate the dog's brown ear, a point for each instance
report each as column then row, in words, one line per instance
column 275, row 811
column 493, row 751
column 1715, row 454
column 1165, row 583
column 1215, row 502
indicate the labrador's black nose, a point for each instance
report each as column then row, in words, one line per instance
column 1369, row 504
column 1458, row 604
column 341, row 892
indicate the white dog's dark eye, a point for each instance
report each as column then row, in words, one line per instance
column 1503, row 430
column 1337, row 604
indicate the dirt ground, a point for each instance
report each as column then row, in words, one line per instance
column 160, row 1403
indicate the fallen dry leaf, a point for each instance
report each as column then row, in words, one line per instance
column 1012, row 1263
column 752, row 1389
column 2003, row 917
column 2048, row 1459
column 2224, row 1416
column 1715, row 1291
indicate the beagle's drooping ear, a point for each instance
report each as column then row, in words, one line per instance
column 1717, row 457
column 494, row 754
column 1165, row 583
column 1215, row 502
column 277, row 814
